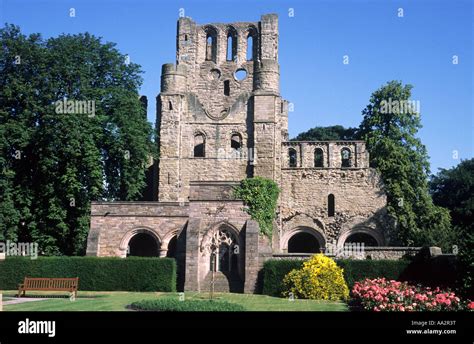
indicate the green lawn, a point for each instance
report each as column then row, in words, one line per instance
column 118, row 301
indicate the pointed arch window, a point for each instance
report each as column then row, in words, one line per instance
column 251, row 44
column 231, row 54
column 211, row 44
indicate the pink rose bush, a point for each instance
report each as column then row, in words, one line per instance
column 387, row 295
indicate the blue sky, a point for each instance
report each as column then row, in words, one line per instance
column 417, row 48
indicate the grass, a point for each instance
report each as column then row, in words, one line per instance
column 119, row 301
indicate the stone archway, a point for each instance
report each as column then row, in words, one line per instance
column 303, row 239
column 172, row 247
column 366, row 235
column 222, row 257
column 360, row 237
column 169, row 245
column 142, row 242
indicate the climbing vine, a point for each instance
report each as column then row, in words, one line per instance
column 260, row 195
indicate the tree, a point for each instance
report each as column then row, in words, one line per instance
column 72, row 130
column 454, row 189
column 389, row 127
column 335, row 132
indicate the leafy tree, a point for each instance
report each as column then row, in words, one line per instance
column 389, row 127
column 56, row 159
column 454, row 189
column 335, row 132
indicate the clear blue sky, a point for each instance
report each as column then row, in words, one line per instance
column 416, row 49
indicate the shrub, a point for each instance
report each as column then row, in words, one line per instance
column 95, row 273
column 384, row 295
column 319, row 279
column 354, row 270
column 174, row 305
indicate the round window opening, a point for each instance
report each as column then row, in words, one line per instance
column 240, row 74
column 215, row 74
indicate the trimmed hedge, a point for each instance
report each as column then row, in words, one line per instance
column 173, row 305
column 273, row 273
column 357, row 270
column 95, row 273
column 354, row 270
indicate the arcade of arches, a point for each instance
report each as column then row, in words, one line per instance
column 144, row 244
column 309, row 241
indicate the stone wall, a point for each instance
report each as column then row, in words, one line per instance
column 375, row 253
column 359, row 204
column 113, row 224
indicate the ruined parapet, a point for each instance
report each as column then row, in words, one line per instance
column 269, row 37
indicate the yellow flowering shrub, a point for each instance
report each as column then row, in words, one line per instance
column 319, row 279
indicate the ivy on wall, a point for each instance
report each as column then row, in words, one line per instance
column 260, row 195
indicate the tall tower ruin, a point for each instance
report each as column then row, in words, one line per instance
column 219, row 114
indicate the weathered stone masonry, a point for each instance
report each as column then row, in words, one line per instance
column 216, row 128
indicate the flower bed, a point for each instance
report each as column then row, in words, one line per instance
column 388, row 295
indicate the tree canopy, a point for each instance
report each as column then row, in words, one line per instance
column 398, row 154
column 335, row 132
column 72, row 130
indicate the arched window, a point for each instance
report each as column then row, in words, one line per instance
column 249, row 48
column 345, row 157
column 223, row 256
column 318, row 157
column 331, row 205
column 252, row 44
column 199, row 146
column 236, row 142
column 211, row 44
column 231, row 45
column 292, row 155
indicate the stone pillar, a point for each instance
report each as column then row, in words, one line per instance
column 251, row 256
column 192, row 255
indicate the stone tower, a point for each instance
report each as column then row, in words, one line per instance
column 220, row 114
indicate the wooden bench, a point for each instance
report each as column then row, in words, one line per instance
column 49, row 284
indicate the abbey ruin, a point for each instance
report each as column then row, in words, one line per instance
column 221, row 119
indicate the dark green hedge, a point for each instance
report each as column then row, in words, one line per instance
column 174, row 305
column 354, row 270
column 273, row 273
column 95, row 273
column 357, row 270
